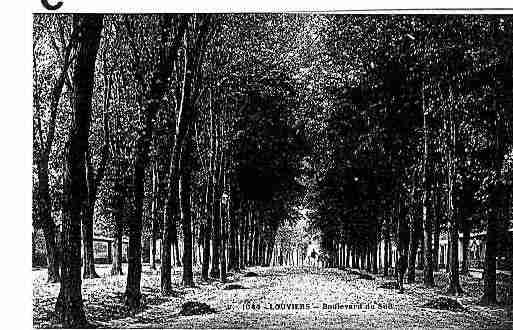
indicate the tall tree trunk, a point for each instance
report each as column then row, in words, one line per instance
column 386, row 240
column 223, row 249
column 353, row 256
column 48, row 225
column 426, row 219
column 454, row 278
column 206, row 239
column 69, row 306
column 425, row 262
column 154, row 220
column 94, row 179
column 342, row 255
column 263, row 249
column 403, row 231
column 436, row 230
column 348, row 256
column 223, row 201
column 153, row 248
column 368, row 256
column 176, row 246
column 270, row 250
column 490, row 267
column 169, row 243
column 503, row 111
column 233, row 260
column 496, row 200
column 250, row 237
column 168, row 229
column 117, row 216
column 420, row 257
column 256, row 240
column 117, row 256
column 467, row 227
column 185, row 203
column 208, row 199
column 171, row 209
column 195, row 245
column 216, row 240
column 261, row 252
column 412, row 250
column 360, row 259
column 390, row 257
column 242, row 241
column 375, row 257
column 87, row 232
column 165, row 247
column 133, row 283
column 448, row 253
column 216, row 208
column 429, row 280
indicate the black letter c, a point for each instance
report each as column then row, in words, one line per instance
column 48, row 6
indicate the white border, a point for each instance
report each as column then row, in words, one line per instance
column 219, row 6
column 15, row 166
column 16, row 114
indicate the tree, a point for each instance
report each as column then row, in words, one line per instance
column 96, row 175
column 185, row 199
column 43, row 144
column 501, row 132
column 69, row 305
column 167, row 50
column 426, row 194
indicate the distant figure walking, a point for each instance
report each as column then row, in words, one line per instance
column 400, row 270
column 322, row 260
column 313, row 257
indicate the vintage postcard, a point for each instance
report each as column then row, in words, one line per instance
column 272, row 168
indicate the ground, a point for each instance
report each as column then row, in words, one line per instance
column 279, row 297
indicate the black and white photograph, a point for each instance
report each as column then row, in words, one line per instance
column 270, row 169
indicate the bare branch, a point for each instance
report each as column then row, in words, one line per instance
column 56, row 94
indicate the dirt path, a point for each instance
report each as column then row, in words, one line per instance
column 287, row 298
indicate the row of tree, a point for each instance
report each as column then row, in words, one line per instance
column 154, row 125
column 221, row 131
column 419, row 141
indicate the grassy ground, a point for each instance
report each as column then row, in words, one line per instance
column 279, row 297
